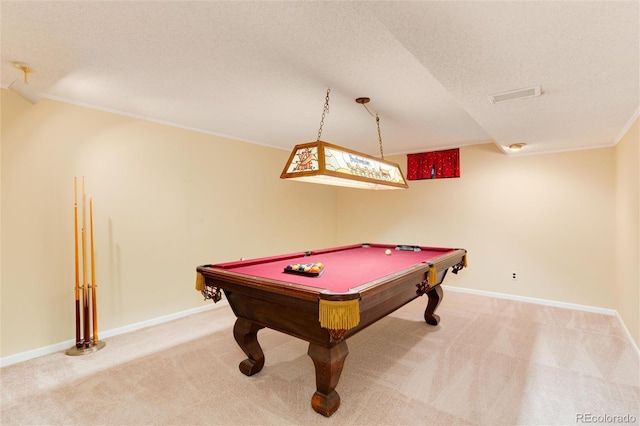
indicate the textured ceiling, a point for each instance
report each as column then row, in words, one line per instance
column 258, row 71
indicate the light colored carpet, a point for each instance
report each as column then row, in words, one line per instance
column 489, row 362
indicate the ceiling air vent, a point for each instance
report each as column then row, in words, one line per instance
column 529, row 92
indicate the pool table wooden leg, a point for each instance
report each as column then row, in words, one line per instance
column 246, row 334
column 435, row 297
column 328, row 362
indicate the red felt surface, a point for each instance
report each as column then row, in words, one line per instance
column 345, row 267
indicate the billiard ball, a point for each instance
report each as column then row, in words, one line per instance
column 387, row 252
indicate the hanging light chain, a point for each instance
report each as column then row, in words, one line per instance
column 324, row 112
column 379, row 136
column 363, row 102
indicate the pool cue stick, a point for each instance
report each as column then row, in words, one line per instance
column 93, row 277
column 85, row 299
column 77, row 266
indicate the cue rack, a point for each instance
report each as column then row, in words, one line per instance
column 85, row 291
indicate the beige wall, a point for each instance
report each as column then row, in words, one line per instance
column 628, row 230
column 165, row 200
column 549, row 218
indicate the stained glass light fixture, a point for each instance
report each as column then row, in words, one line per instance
column 329, row 164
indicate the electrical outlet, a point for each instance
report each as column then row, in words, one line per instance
column 514, row 276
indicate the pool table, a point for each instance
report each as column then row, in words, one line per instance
column 324, row 297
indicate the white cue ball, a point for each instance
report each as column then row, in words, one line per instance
column 387, row 252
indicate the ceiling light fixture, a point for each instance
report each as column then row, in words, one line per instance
column 23, row 89
column 515, row 147
column 329, row 164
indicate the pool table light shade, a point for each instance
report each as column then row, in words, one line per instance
column 329, row 164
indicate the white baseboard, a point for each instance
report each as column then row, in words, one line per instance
column 626, row 331
column 63, row 346
column 46, row 350
column 547, row 302
column 159, row 320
